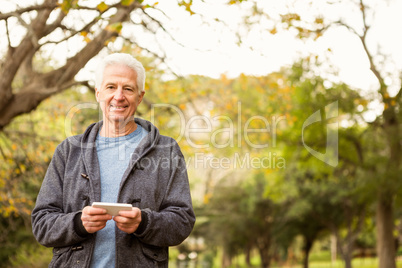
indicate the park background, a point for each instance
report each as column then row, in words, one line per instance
column 288, row 114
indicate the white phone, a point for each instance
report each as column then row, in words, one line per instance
column 112, row 208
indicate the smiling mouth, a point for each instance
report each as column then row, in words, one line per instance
column 117, row 108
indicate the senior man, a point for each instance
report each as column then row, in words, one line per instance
column 120, row 159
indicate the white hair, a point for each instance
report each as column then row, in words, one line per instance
column 121, row 59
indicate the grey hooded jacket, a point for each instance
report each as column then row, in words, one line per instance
column 156, row 182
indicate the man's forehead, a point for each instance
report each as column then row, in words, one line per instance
column 119, row 71
column 118, row 66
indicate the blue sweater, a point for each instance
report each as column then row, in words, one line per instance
column 114, row 156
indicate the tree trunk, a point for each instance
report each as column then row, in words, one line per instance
column 265, row 257
column 248, row 256
column 308, row 244
column 347, row 253
column 384, row 214
column 385, row 228
column 346, row 247
column 226, row 259
column 333, row 248
column 348, row 260
column 399, row 239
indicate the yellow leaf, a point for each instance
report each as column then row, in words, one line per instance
column 23, row 167
column 102, row 7
column 37, row 170
column 319, row 20
column 110, row 40
column 207, row 197
column 187, row 6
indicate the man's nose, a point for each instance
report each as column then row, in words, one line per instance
column 119, row 94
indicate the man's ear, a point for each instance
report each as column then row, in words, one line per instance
column 141, row 96
column 97, row 94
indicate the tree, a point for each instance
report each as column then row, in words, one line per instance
column 26, row 147
column 54, row 25
column 389, row 94
column 338, row 194
column 241, row 219
column 301, row 220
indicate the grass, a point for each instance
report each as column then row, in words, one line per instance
column 356, row 263
column 33, row 256
column 317, row 260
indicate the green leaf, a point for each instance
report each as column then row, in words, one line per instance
column 65, row 6
column 151, row 6
column 115, row 27
column 126, row 2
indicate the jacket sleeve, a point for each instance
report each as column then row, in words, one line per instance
column 173, row 223
column 52, row 226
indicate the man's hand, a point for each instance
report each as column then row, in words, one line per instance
column 94, row 219
column 128, row 221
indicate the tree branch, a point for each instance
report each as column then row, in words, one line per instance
column 373, row 67
column 398, row 95
column 30, row 31
column 16, row 56
column 57, row 23
column 46, row 5
column 8, row 36
column 362, row 38
column 161, row 26
column 86, row 27
column 44, row 85
column 74, row 64
column 359, row 224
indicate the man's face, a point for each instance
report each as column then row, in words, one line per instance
column 118, row 94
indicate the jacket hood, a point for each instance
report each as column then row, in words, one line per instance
column 87, row 143
column 88, row 140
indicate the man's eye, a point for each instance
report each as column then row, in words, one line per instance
column 129, row 89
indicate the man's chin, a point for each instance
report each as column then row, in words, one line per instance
column 119, row 119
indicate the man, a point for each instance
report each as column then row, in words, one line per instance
column 121, row 159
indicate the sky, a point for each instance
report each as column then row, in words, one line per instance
column 213, row 50
column 205, row 47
